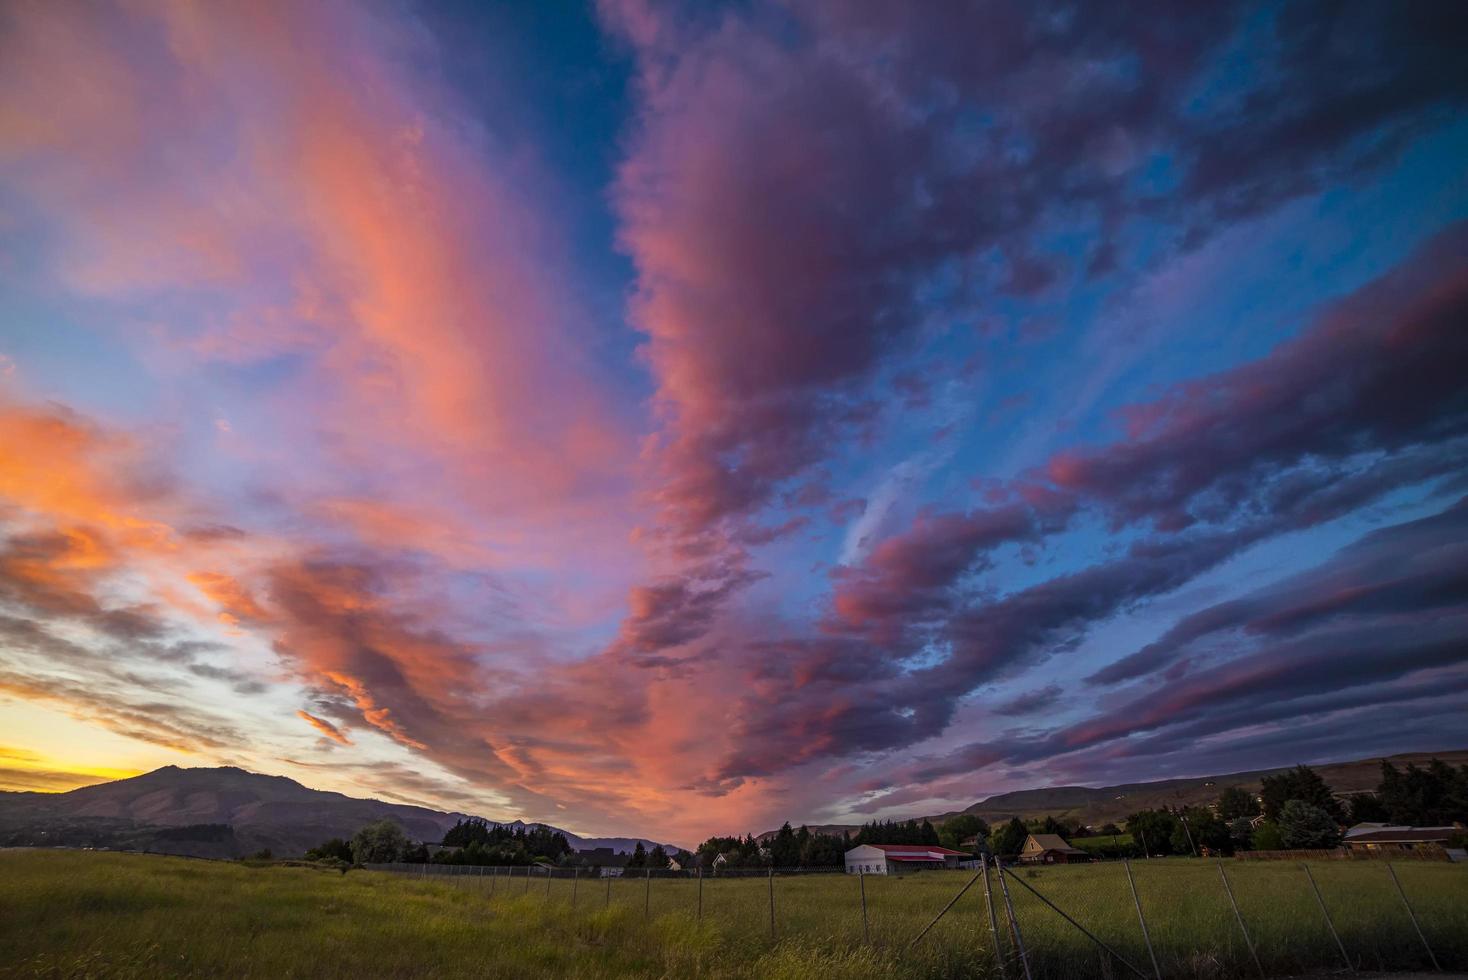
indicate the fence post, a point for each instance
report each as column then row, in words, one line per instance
column 494, row 874
column 700, row 893
column 866, row 929
column 1084, row 931
column 1326, row 912
column 993, row 920
column 527, row 879
column 1413, row 916
column 547, row 884
column 1019, row 939
column 575, row 880
column 1228, row 889
column 772, row 901
column 1146, row 936
column 609, row 891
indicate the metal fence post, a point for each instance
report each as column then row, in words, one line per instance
column 1146, row 936
column 1331, row 925
column 700, row 893
column 772, row 901
column 494, row 874
column 547, row 883
column 1019, row 939
column 575, row 880
column 1228, row 889
column 1084, row 931
column 609, row 891
column 1413, row 916
column 866, row 929
column 527, row 879
column 993, row 920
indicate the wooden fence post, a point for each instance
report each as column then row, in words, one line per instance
column 1146, row 936
column 772, row 900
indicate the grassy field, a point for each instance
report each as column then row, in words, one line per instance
column 80, row 914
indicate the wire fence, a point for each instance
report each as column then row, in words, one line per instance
column 1173, row 918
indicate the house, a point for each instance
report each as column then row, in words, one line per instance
column 1394, row 837
column 891, row 859
column 1050, row 849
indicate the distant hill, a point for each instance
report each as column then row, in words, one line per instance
column 1096, row 805
column 220, row 812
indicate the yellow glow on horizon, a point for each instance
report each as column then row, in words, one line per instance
column 46, row 750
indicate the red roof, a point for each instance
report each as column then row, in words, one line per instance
column 915, row 851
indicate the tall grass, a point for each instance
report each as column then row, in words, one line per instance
column 75, row 914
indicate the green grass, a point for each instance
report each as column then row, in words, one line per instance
column 1103, row 843
column 80, row 914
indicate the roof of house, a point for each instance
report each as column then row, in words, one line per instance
column 914, row 852
column 1388, row 834
column 1054, row 842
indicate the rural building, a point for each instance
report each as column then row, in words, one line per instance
column 891, row 859
column 1394, row 837
column 1050, row 849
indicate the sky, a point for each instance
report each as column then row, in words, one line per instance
column 677, row 418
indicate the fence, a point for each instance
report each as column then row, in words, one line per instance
column 1173, row 917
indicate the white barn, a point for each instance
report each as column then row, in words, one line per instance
column 890, row 859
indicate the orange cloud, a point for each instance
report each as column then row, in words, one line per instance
column 325, row 727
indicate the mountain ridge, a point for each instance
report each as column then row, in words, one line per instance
column 1095, row 805
column 261, row 810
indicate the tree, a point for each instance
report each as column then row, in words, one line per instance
column 1241, row 831
column 639, row 857
column 1267, row 837
column 966, row 826
column 1236, row 802
column 784, row 848
column 657, row 858
column 1367, row 808
column 1010, row 838
column 1300, row 783
column 335, row 849
column 379, row 842
column 1154, row 832
column 1437, row 795
column 1304, row 825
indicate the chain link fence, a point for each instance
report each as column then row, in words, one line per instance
column 1166, row 917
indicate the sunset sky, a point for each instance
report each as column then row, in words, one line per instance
column 677, row 418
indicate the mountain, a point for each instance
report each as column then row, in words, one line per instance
column 1096, row 805
column 220, row 812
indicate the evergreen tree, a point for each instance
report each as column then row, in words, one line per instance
column 638, row 858
column 1304, row 825
column 1010, row 838
column 1300, row 783
column 1235, row 802
column 657, row 858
